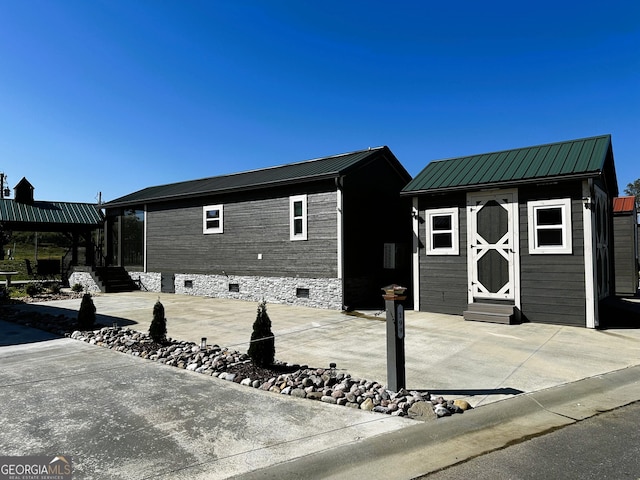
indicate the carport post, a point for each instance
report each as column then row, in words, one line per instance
column 393, row 295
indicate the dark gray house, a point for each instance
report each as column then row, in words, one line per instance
column 328, row 232
column 517, row 235
column 625, row 229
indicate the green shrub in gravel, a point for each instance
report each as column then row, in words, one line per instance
column 158, row 327
column 262, row 349
column 33, row 289
column 87, row 313
column 77, row 287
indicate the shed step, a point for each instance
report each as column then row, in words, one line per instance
column 489, row 312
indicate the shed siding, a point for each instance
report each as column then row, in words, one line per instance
column 252, row 227
column 553, row 286
column 626, row 267
column 443, row 278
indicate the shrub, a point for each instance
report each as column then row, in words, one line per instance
column 158, row 327
column 77, row 288
column 87, row 312
column 54, row 288
column 262, row 349
column 33, row 289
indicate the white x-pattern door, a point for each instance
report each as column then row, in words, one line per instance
column 492, row 257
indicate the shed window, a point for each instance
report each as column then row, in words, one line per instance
column 549, row 226
column 212, row 219
column 298, row 217
column 442, row 231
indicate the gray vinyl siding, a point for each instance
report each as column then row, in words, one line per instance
column 626, row 266
column 175, row 242
column 443, row 278
column 553, row 285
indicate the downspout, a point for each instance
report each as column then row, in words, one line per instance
column 590, row 280
column 144, row 241
column 119, row 244
column 415, row 214
column 340, row 233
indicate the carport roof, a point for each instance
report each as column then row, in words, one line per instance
column 582, row 158
column 50, row 214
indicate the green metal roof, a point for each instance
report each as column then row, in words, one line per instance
column 581, row 158
column 318, row 169
column 56, row 213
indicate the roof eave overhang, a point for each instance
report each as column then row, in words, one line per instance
column 495, row 185
column 49, row 226
column 223, row 191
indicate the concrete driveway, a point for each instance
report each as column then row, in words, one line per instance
column 123, row 417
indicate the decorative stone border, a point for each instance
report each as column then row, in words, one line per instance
column 326, row 385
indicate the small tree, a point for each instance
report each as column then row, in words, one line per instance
column 158, row 327
column 633, row 189
column 87, row 312
column 262, row 349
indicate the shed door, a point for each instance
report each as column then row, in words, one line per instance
column 492, row 248
column 602, row 243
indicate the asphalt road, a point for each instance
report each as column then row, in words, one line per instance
column 603, row 447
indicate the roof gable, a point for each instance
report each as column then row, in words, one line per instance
column 23, row 191
column 580, row 158
column 318, row 169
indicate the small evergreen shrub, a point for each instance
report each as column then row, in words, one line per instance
column 33, row 289
column 87, row 313
column 158, row 327
column 262, row 349
column 54, row 288
column 77, row 288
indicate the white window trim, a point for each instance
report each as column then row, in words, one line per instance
column 292, row 234
column 219, row 229
column 455, row 236
column 565, row 206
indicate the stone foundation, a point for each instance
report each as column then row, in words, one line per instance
column 148, row 281
column 306, row 292
column 85, row 279
column 322, row 292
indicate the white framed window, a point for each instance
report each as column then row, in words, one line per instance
column 442, row 231
column 549, row 226
column 298, row 217
column 212, row 219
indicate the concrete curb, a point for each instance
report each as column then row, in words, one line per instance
column 425, row 448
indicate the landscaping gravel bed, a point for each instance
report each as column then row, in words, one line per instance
column 326, row 385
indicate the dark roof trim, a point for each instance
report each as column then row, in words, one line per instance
column 485, row 186
column 320, row 169
column 219, row 191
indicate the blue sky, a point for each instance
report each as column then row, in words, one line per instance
column 114, row 96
